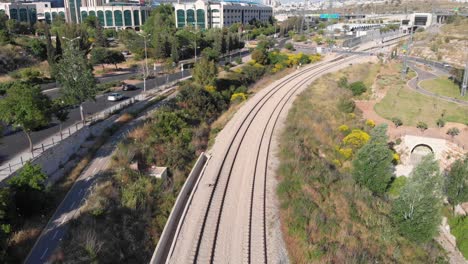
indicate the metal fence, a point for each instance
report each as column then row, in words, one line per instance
column 19, row 160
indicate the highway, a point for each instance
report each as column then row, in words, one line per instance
column 229, row 219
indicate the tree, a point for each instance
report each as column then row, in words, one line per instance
column 397, row 121
column 58, row 48
column 114, row 57
column 421, row 125
column 372, row 166
column 440, row 122
column 456, row 183
column 205, row 72
column 260, row 56
column 75, row 76
column 26, row 108
column 98, row 56
column 343, row 82
column 29, row 189
column 210, row 54
column 289, row 46
column 453, row 131
column 417, row 210
column 60, row 111
column 357, row 88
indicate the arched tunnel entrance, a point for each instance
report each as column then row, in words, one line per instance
column 418, row 152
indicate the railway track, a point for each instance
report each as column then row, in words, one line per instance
column 257, row 211
column 241, row 165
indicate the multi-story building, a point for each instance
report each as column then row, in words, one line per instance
column 118, row 16
column 211, row 14
column 22, row 12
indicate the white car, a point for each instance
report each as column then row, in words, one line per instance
column 114, row 97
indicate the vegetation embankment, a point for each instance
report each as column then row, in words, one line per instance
column 127, row 209
column 340, row 201
column 410, row 106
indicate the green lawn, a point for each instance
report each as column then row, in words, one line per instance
column 412, row 107
column 443, row 86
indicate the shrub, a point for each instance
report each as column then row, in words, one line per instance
column 396, row 186
column 459, row 228
column 440, row 122
column 357, row 88
column 397, row 121
column 289, row 46
column 356, row 139
column 346, row 105
column 370, row 123
column 421, row 125
column 453, row 131
column 238, row 97
column 343, row 82
column 347, row 153
column 343, row 128
column 396, row 158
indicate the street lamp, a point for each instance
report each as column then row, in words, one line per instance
column 145, row 75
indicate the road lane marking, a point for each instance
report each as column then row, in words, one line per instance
column 72, row 205
column 64, row 219
column 94, row 170
column 43, row 254
column 55, row 234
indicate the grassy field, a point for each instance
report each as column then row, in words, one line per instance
column 325, row 217
column 412, row 107
column 443, row 86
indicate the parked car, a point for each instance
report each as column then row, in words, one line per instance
column 114, row 97
column 128, row 87
column 126, row 53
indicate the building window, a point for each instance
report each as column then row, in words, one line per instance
column 23, row 16
column 143, row 16
column 128, row 18
column 180, row 18
column 109, row 19
column 47, row 17
column 100, row 16
column 84, row 15
column 190, row 17
column 136, row 17
column 201, row 18
column 118, row 18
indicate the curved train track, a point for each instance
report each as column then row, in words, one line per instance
column 311, row 72
column 255, row 249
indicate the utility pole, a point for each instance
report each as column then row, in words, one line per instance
column 405, row 60
column 465, row 80
column 145, row 74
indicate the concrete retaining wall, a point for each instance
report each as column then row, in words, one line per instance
column 161, row 252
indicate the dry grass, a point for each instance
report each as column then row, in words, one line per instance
column 325, row 217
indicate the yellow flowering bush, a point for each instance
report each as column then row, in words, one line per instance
column 210, row 88
column 370, row 123
column 356, row 139
column 347, row 153
column 343, row 128
column 238, row 97
column 396, row 158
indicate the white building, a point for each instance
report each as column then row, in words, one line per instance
column 117, row 16
column 208, row 14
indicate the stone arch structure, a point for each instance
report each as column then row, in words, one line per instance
column 422, row 145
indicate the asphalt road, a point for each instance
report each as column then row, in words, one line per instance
column 15, row 143
column 424, row 75
column 68, row 209
column 230, row 218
